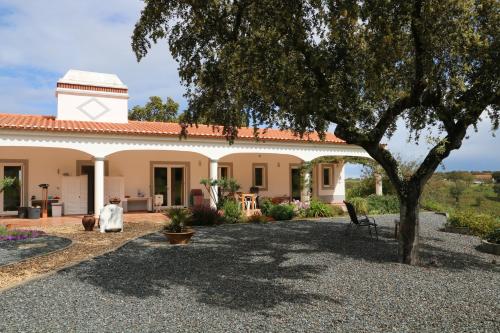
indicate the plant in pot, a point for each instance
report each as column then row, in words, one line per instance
column 176, row 230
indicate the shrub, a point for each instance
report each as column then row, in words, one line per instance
column 383, row 204
column 282, row 212
column 319, row 209
column 478, row 224
column 337, row 211
column 232, row 211
column 265, row 207
column 433, row 206
column 204, row 215
column 494, row 236
column 257, row 218
column 360, row 204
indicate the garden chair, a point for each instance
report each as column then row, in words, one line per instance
column 361, row 222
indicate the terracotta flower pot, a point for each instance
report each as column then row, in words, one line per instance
column 180, row 238
column 88, row 222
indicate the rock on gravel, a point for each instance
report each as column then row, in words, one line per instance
column 276, row 277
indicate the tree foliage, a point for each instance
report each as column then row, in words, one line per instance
column 156, row 110
column 362, row 65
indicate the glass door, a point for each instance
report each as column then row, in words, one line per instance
column 177, row 190
column 160, row 183
column 169, row 181
column 295, row 180
column 11, row 197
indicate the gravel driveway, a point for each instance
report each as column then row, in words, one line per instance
column 280, row 277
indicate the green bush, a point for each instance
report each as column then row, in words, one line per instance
column 265, row 207
column 360, row 204
column 282, row 212
column 494, row 236
column 383, row 204
column 232, row 211
column 318, row 209
column 479, row 224
column 433, row 206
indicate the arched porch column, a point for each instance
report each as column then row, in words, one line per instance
column 378, row 184
column 305, row 195
column 214, row 188
column 98, row 185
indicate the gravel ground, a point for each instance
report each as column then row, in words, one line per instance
column 276, row 277
column 14, row 251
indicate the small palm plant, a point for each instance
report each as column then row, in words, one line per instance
column 6, row 182
column 178, row 219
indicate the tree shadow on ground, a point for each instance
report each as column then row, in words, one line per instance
column 246, row 267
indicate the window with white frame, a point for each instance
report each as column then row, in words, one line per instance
column 327, row 176
column 259, row 176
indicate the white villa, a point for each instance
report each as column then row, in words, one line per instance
column 90, row 152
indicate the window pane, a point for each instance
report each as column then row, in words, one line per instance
column 326, row 176
column 177, row 186
column 12, row 194
column 259, row 176
column 160, row 182
column 223, row 172
column 296, row 184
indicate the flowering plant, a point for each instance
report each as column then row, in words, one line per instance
column 18, row 234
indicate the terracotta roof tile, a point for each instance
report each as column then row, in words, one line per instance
column 50, row 124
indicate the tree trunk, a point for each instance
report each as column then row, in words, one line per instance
column 409, row 228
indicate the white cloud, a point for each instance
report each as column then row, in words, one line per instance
column 55, row 36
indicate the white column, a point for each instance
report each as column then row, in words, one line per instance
column 378, row 184
column 305, row 195
column 213, row 189
column 339, row 190
column 98, row 185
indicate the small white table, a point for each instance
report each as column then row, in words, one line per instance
column 137, row 204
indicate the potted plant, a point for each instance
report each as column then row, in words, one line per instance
column 176, row 230
column 491, row 243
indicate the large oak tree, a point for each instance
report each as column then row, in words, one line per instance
column 362, row 65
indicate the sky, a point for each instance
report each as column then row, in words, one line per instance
column 41, row 39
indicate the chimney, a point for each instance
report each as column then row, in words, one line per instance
column 90, row 96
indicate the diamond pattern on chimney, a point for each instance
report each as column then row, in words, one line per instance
column 93, row 109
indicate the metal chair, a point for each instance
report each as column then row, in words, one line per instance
column 361, row 222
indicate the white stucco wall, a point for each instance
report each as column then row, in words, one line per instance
column 337, row 192
column 134, row 166
column 278, row 171
column 92, row 106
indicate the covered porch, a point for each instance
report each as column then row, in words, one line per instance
column 84, row 183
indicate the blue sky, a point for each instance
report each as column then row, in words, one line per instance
column 42, row 39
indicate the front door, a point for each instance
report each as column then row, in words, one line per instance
column 295, row 180
column 11, row 197
column 169, row 181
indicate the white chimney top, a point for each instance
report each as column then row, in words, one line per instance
column 95, row 79
column 91, row 96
